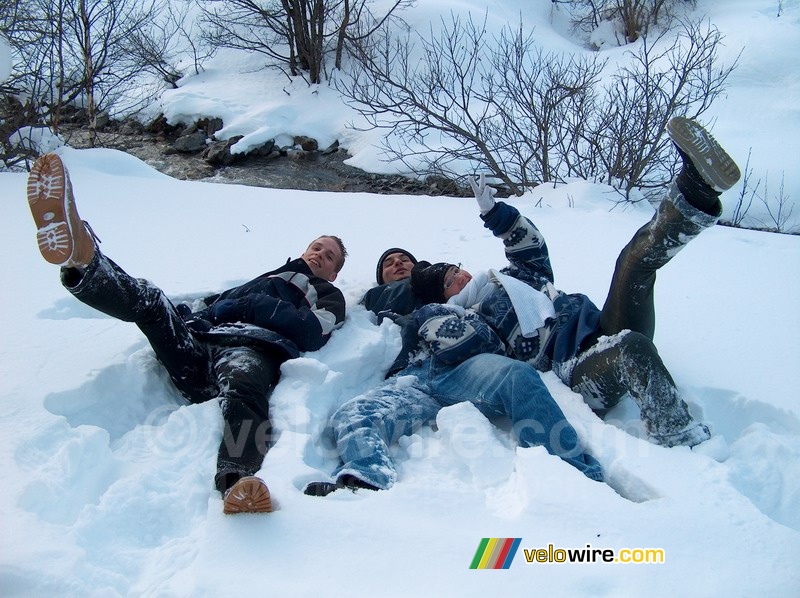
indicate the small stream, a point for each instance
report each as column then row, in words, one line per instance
column 313, row 171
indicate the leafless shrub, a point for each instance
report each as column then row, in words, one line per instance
column 87, row 57
column 526, row 116
column 74, row 52
column 171, row 40
column 297, row 34
column 634, row 18
column 438, row 102
column 779, row 209
column 499, row 104
column 747, row 193
column 543, row 101
column 626, row 138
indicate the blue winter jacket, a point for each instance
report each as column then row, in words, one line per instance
column 289, row 309
column 453, row 334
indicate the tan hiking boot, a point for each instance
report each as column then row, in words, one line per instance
column 63, row 237
column 249, row 495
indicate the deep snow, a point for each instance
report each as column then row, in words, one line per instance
column 108, row 485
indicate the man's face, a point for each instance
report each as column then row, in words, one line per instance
column 396, row 266
column 455, row 280
column 323, row 256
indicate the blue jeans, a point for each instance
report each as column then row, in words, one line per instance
column 365, row 426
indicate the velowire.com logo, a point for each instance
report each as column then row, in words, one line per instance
column 495, row 553
column 498, row 553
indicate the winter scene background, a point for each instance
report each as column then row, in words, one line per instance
column 108, row 474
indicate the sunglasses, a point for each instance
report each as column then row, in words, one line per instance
column 451, row 276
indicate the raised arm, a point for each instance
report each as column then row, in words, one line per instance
column 524, row 244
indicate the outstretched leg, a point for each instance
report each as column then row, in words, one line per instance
column 241, row 377
column 246, row 377
column 366, row 426
column 629, row 363
column 65, row 240
column 109, row 289
column 500, row 386
column 691, row 205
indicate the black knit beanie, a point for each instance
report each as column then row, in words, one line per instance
column 428, row 281
column 387, row 253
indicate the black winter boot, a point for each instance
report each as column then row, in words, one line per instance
column 708, row 170
column 348, row 481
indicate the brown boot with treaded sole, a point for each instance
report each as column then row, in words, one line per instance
column 248, row 495
column 62, row 236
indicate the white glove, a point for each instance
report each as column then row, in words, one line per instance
column 484, row 194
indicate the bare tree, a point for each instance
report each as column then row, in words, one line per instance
column 27, row 27
column 529, row 117
column 627, row 136
column 543, row 102
column 633, row 17
column 297, row 34
column 438, row 100
column 74, row 52
column 99, row 31
column 164, row 47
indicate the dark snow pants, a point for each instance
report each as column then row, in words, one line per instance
column 241, row 377
column 628, row 362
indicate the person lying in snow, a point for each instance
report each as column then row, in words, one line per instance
column 393, row 294
column 601, row 354
column 230, row 351
column 364, row 427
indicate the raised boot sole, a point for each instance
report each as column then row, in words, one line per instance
column 63, row 238
column 709, row 158
column 48, row 186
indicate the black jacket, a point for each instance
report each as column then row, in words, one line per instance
column 288, row 308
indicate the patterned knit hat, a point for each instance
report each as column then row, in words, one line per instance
column 428, row 281
column 384, row 255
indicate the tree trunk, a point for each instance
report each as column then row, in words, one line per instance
column 89, row 74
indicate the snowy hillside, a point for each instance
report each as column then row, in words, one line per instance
column 108, row 475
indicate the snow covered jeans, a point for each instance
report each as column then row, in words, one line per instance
column 365, row 426
column 241, row 377
column 628, row 361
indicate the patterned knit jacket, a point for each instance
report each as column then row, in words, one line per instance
column 453, row 334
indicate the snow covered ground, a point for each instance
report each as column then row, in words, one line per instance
column 107, row 475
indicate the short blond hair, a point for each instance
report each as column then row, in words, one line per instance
column 342, row 249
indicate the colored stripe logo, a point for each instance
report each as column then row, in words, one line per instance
column 495, row 553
